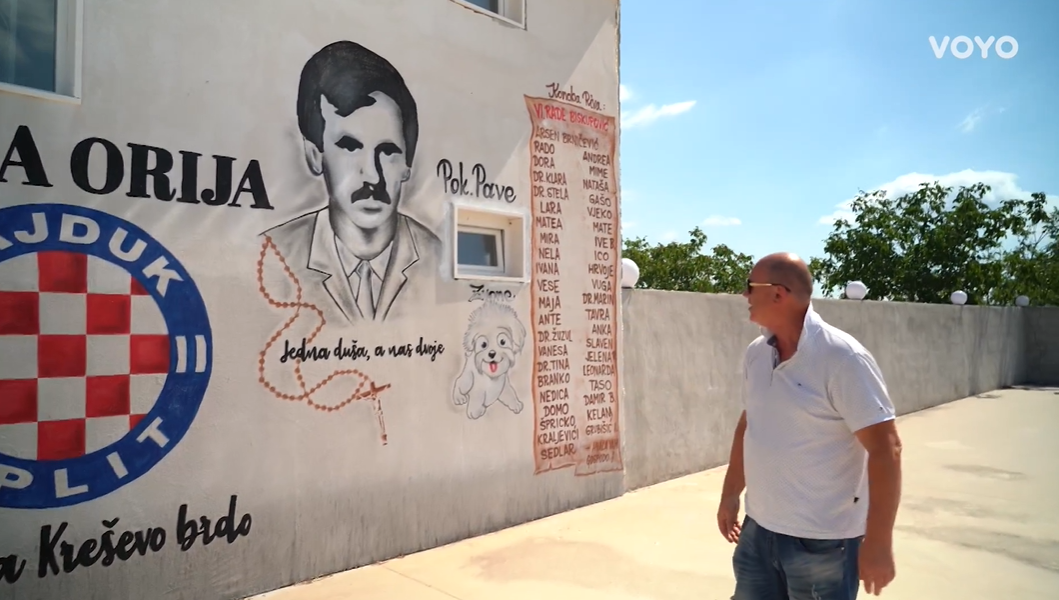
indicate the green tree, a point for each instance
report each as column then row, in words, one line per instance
column 1032, row 266
column 684, row 266
column 922, row 246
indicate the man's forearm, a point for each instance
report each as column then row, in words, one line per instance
column 884, row 492
column 734, row 477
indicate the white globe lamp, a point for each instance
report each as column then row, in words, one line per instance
column 856, row 290
column 630, row 273
column 959, row 297
column 1022, row 301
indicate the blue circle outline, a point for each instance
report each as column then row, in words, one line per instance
column 178, row 403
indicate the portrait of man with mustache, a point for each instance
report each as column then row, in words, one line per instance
column 360, row 127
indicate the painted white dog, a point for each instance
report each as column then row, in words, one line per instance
column 493, row 341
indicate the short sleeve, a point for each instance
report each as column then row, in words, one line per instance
column 858, row 392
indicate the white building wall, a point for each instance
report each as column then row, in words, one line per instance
column 129, row 410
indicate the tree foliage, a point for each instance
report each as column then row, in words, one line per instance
column 919, row 247
column 684, row 266
column 1032, row 267
column 922, row 246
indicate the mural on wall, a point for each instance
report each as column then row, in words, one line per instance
column 355, row 260
column 106, row 348
column 574, row 314
column 358, row 254
column 492, row 344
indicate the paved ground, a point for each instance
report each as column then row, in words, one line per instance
column 979, row 520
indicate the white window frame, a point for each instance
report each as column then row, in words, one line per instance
column 69, row 41
column 512, row 12
column 513, row 249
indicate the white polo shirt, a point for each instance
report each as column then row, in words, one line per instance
column 806, row 472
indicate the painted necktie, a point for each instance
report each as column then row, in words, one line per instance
column 364, row 300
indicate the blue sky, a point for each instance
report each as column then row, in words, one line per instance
column 757, row 119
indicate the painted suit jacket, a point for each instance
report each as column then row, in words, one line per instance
column 307, row 244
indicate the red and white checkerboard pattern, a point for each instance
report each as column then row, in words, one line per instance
column 84, row 353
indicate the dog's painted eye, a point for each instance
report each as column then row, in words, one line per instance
column 483, row 344
column 503, row 340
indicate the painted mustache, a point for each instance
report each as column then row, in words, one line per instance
column 370, row 191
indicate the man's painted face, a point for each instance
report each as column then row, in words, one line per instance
column 363, row 160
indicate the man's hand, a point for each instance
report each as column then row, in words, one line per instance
column 728, row 518
column 876, row 564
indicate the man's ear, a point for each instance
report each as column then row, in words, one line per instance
column 313, row 157
column 406, row 174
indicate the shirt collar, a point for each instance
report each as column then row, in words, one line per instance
column 810, row 325
column 351, row 263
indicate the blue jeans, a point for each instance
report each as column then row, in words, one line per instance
column 773, row 566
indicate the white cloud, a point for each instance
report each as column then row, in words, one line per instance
column 975, row 117
column 651, row 113
column 669, row 236
column 645, row 115
column 626, row 225
column 1004, row 187
column 719, row 221
column 972, row 120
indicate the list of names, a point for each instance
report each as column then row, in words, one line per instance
column 575, row 268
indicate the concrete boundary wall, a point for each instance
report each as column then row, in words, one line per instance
column 683, row 356
column 1042, row 348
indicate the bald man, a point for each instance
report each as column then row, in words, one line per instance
column 816, row 449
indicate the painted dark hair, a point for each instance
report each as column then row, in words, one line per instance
column 347, row 74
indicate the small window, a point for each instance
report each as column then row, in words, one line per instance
column 512, row 11
column 40, row 47
column 481, row 249
column 490, row 244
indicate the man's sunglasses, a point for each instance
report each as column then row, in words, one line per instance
column 750, row 285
